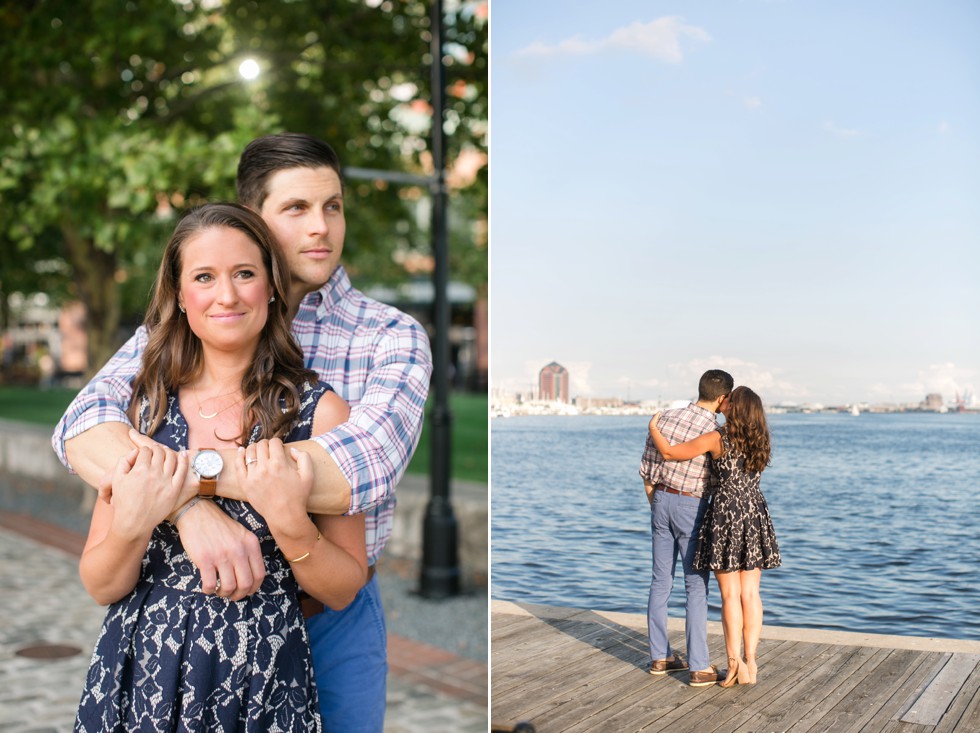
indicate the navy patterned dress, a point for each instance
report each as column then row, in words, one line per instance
column 170, row 658
column 737, row 531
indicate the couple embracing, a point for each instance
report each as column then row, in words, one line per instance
column 277, row 408
column 702, row 482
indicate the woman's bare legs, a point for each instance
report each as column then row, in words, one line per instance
column 751, row 616
column 731, row 620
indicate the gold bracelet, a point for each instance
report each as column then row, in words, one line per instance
column 303, row 557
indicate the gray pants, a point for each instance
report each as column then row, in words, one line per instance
column 676, row 521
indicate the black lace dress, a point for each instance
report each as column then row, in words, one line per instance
column 170, row 658
column 737, row 531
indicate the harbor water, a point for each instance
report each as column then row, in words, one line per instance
column 877, row 519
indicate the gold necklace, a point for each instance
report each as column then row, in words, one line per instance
column 200, row 409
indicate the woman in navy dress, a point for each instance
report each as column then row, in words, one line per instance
column 220, row 370
column 737, row 539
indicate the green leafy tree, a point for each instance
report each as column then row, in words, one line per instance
column 119, row 115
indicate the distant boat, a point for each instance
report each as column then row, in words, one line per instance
column 855, row 410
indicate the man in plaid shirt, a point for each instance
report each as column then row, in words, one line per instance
column 374, row 356
column 677, row 491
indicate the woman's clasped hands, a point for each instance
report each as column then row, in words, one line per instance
column 146, row 488
column 276, row 479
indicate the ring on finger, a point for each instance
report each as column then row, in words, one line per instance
column 217, row 586
column 250, row 461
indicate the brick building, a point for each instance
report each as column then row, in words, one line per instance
column 553, row 383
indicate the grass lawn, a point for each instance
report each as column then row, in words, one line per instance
column 469, row 426
column 469, row 439
column 40, row 406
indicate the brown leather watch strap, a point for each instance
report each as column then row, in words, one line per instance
column 208, row 488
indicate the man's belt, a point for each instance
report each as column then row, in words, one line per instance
column 668, row 490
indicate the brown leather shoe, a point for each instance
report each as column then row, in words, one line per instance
column 706, row 678
column 663, row 666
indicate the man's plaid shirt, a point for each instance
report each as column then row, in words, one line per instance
column 679, row 426
column 374, row 356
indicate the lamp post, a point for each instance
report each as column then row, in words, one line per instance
column 439, row 577
column 440, row 566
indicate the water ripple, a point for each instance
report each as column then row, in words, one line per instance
column 876, row 517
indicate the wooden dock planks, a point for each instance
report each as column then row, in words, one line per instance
column 568, row 670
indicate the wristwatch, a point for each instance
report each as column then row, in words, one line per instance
column 207, row 465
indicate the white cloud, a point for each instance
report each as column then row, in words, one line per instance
column 767, row 383
column 630, row 381
column 660, row 39
column 532, row 368
column 510, row 385
column 842, row 132
column 578, row 374
column 881, row 391
column 752, row 102
column 943, row 127
column 630, row 388
column 945, row 379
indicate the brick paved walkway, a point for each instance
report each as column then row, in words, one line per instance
column 43, row 605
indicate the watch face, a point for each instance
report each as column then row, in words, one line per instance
column 208, row 463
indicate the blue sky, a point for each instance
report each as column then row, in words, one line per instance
column 788, row 190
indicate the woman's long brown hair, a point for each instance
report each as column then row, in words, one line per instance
column 174, row 356
column 747, row 428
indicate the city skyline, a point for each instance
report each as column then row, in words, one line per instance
column 537, row 392
column 781, row 190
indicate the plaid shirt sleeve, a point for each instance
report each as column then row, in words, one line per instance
column 105, row 398
column 373, row 448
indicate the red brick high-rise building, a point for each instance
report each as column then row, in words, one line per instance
column 553, row 383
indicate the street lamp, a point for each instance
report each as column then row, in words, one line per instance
column 440, row 576
column 249, row 69
column 440, row 562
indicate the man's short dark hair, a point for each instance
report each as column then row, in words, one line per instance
column 714, row 384
column 272, row 153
